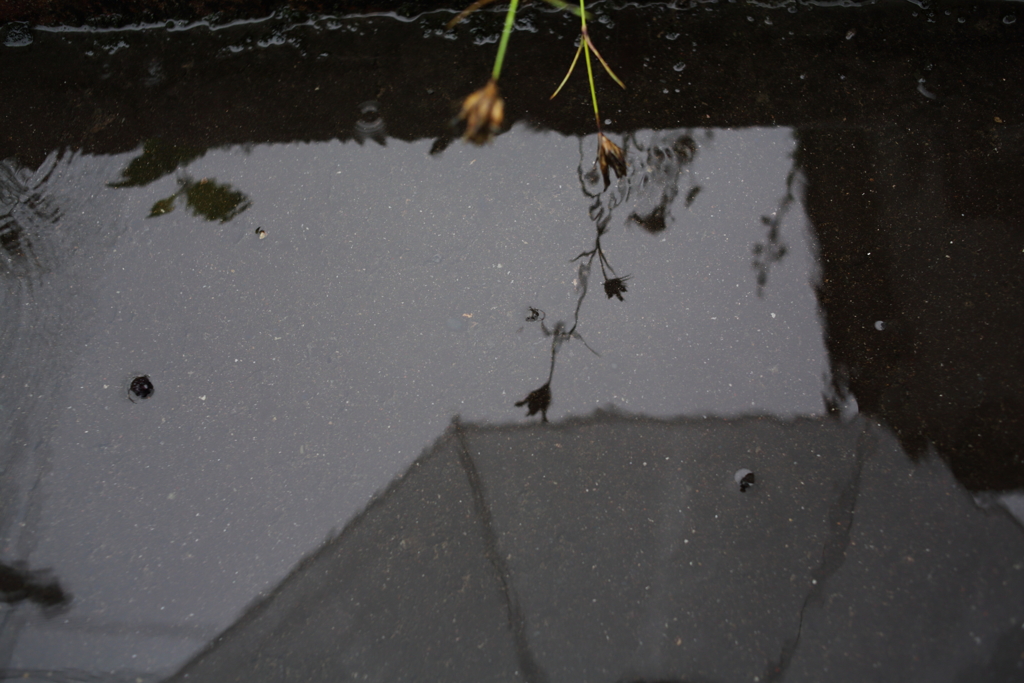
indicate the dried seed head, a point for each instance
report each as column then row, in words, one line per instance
column 610, row 154
column 483, row 111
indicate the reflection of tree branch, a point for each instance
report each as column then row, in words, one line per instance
column 772, row 250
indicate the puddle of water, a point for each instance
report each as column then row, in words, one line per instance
column 310, row 316
column 296, row 374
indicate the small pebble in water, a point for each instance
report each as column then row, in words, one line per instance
column 141, row 387
column 744, row 478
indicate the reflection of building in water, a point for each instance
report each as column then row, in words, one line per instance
column 908, row 146
column 618, row 548
column 921, row 240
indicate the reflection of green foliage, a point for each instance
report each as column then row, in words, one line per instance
column 214, row 202
column 207, row 198
column 163, row 206
column 157, row 160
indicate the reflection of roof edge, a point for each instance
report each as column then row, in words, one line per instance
column 454, row 435
column 503, row 548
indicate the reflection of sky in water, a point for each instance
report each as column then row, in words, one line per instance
column 297, row 374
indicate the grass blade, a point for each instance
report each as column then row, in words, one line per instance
column 571, row 67
column 603, row 63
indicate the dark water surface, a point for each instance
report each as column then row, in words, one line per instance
column 823, row 232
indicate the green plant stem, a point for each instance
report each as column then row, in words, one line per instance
column 590, row 70
column 510, row 17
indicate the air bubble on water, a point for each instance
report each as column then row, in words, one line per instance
column 679, row 67
column 1009, row 19
column 370, row 123
column 879, row 325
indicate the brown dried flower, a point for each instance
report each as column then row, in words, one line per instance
column 483, row 111
column 610, row 154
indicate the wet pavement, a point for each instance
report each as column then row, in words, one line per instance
column 251, row 276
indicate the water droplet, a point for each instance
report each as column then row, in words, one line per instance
column 369, row 124
column 879, row 325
